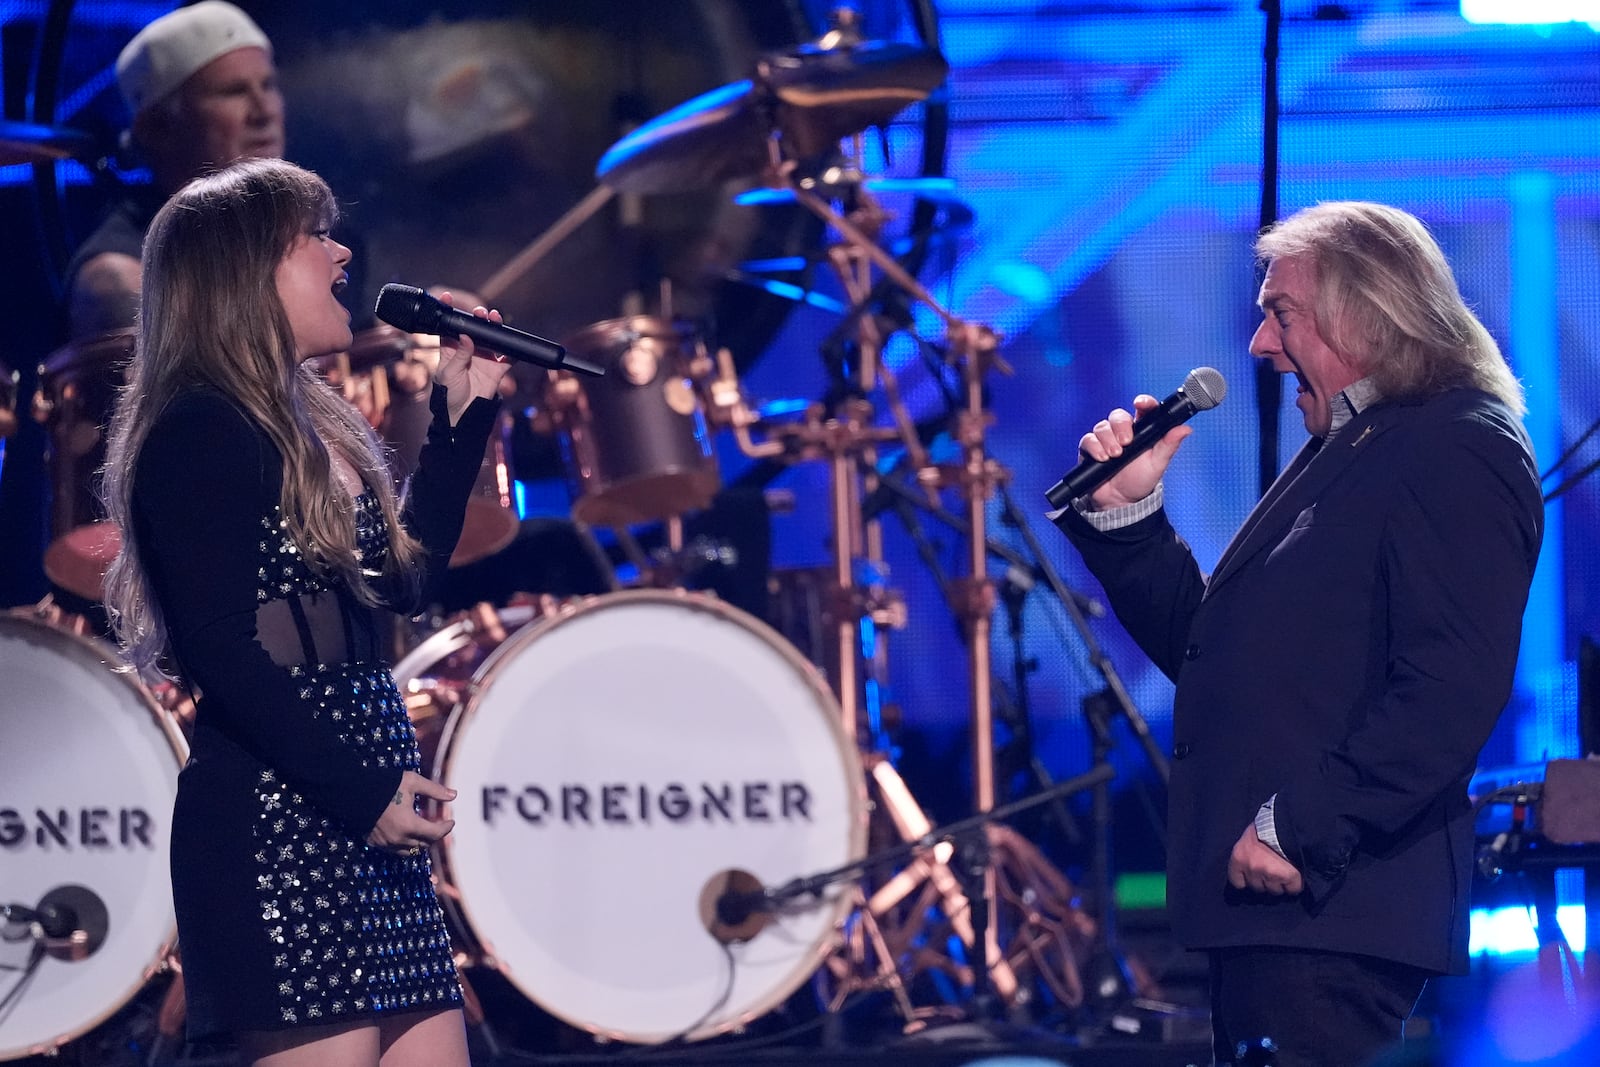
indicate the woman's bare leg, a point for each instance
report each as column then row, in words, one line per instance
column 424, row 1039
column 352, row 1044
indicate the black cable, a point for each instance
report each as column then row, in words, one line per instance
column 13, row 995
column 1583, row 472
column 680, row 1038
column 1571, row 449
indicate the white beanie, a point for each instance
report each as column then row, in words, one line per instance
column 165, row 53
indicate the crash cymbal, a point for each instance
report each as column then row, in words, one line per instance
column 23, row 142
column 928, row 188
column 717, row 135
column 824, row 95
column 813, row 97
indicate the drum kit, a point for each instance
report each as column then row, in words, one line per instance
column 637, row 769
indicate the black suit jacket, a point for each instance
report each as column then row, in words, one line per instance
column 1350, row 655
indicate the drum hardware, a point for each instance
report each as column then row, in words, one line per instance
column 848, row 439
column 740, row 131
column 740, row 899
column 360, row 375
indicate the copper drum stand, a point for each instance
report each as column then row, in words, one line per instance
column 1024, row 906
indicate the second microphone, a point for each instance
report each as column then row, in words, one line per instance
column 1203, row 389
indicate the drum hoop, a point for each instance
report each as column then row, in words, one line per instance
column 93, row 651
column 456, row 636
column 85, row 651
column 460, row 717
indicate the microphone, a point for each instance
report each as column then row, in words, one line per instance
column 1202, row 390
column 410, row 309
column 71, row 921
column 734, row 906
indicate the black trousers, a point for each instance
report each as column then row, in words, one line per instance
column 1321, row 1009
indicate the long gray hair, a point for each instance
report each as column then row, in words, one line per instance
column 1388, row 301
column 210, row 315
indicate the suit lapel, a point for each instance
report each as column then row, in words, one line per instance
column 1313, row 468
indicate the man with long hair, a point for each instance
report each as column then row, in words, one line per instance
column 1341, row 667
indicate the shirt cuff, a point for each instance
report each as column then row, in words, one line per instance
column 1267, row 826
column 1116, row 518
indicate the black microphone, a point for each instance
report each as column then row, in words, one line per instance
column 414, row 311
column 735, row 906
column 72, row 921
column 1203, row 389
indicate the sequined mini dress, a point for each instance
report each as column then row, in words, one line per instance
column 286, row 917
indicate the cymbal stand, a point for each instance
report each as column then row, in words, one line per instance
column 848, row 441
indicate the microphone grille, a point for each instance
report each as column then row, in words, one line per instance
column 1205, row 387
column 403, row 306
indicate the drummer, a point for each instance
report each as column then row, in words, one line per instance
column 203, row 92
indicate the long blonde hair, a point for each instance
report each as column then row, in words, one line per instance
column 210, row 316
column 1387, row 299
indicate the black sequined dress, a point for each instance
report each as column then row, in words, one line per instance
column 286, row 917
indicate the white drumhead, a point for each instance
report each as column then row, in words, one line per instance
column 88, row 774
column 611, row 762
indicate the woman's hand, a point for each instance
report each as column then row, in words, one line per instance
column 465, row 376
column 401, row 829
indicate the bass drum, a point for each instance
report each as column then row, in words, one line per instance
column 621, row 762
column 88, row 775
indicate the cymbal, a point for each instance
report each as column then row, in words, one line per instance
column 24, row 142
column 715, row 136
column 812, row 97
column 827, row 94
column 77, row 560
column 927, row 188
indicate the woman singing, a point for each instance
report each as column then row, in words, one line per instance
column 262, row 539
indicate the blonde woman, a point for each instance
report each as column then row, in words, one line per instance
column 261, row 541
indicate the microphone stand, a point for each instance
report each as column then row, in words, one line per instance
column 734, row 907
column 1099, row 708
column 907, row 504
column 971, row 864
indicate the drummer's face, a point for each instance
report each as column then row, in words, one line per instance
column 232, row 109
column 310, row 278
